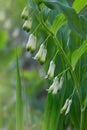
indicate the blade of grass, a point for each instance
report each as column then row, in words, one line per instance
column 19, row 103
column 1, row 113
column 47, row 114
column 54, row 113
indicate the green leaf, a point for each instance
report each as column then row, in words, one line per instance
column 47, row 114
column 84, row 23
column 78, row 53
column 73, row 41
column 85, row 121
column 54, row 113
column 75, row 113
column 19, row 103
column 85, row 101
column 31, row 4
column 78, row 5
column 74, row 22
column 58, row 22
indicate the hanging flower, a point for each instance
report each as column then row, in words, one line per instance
column 68, row 108
column 43, row 57
column 50, row 73
column 53, row 85
column 61, row 82
column 27, row 25
column 41, row 54
column 65, row 106
column 25, row 13
column 31, row 44
column 56, row 86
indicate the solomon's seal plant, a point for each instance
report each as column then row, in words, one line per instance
column 60, row 29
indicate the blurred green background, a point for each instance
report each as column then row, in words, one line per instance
column 12, row 36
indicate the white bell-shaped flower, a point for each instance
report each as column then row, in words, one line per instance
column 41, row 54
column 50, row 73
column 31, row 44
column 56, row 85
column 65, row 106
column 25, row 13
column 51, row 88
column 68, row 107
column 27, row 25
column 61, row 82
column 43, row 57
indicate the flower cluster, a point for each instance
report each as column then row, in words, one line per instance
column 41, row 54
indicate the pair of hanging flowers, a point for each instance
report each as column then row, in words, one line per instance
column 66, row 106
column 56, row 85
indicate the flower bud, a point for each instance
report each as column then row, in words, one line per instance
column 56, row 86
column 43, row 57
column 61, row 82
column 50, row 73
column 27, row 25
column 65, row 106
column 25, row 13
column 31, row 44
column 51, row 88
column 41, row 54
column 68, row 108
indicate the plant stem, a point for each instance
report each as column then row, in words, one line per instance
column 82, row 118
column 36, row 28
column 63, row 72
